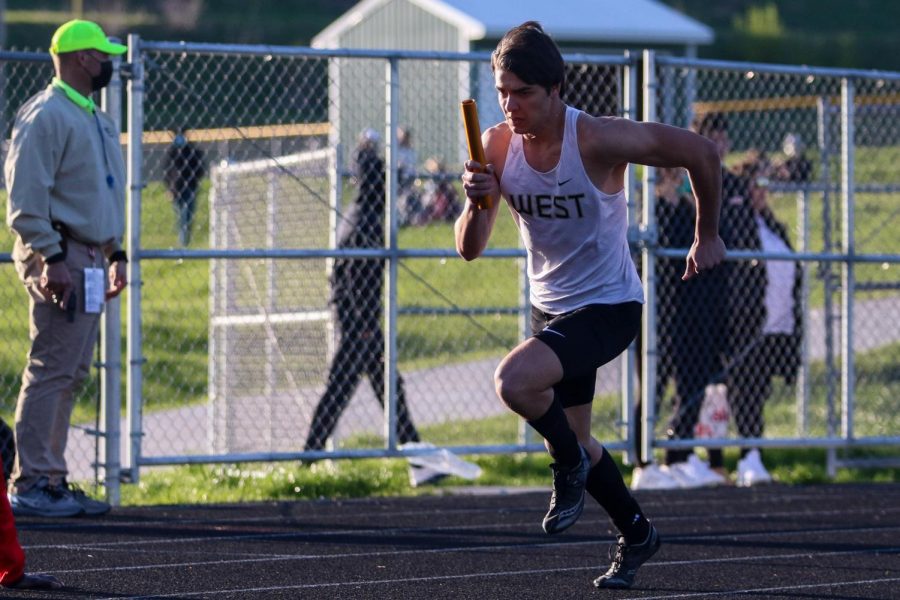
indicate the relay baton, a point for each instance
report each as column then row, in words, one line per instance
column 473, row 139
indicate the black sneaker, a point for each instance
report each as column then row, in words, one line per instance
column 90, row 506
column 44, row 500
column 627, row 560
column 567, row 500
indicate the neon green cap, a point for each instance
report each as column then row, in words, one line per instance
column 82, row 35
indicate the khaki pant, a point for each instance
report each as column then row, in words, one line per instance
column 59, row 360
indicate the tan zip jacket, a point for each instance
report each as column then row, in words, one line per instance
column 65, row 166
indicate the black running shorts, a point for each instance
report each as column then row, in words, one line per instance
column 584, row 340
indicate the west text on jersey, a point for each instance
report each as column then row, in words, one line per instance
column 548, row 206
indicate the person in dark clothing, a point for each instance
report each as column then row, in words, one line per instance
column 184, row 170
column 729, row 330
column 776, row 349
column 697, row 350
column 356, row 286
column 675, row 217
column 689, row 344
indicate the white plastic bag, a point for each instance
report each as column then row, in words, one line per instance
column 715, row 414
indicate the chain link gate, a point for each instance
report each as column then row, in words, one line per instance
column 231, row 321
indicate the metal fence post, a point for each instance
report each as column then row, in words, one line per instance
column 392, row 114
column 135, row 187
column 848, row 282
column 823, row 115
column 630, row 358
column 648, row 263
column 803, row 379
column 690, row 88
column 527, row 434
column 111, row 337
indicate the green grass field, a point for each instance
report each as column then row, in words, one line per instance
column 265, row 482
column 248, row 482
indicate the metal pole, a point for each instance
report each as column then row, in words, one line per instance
column 392, row 114
column 629, row 366
column 527, row 434
column 111, row 337
column 824, row 108
column 272, row 294
column 848, row 281
column 803, row 374
column 666, row 84
column 690, row 87
column 648, row 263
column 336, row 202
column 135, row 186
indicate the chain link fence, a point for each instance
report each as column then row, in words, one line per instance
column 293, row 263
column 298, row 151
column 798, row 346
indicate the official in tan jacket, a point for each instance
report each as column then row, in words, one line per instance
column 65, row 177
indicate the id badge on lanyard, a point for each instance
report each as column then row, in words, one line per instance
column 94, row 290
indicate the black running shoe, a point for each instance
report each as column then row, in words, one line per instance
column 627, row 560
column 567, row 500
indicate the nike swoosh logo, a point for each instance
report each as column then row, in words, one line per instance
column 562, row 183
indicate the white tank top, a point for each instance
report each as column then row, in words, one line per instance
column 575, row 235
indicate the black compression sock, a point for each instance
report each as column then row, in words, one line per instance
column 606, row 485
column 554, row 427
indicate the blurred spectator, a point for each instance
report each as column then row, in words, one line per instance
column 440, row 201
column 704, row 345
column 184, row 170
column 409, row 196
column 356, row 293
column 778, row 351
column 744, row 279
column 675, row 226
column 690, row 344
column 796, row 166
column 407, row 159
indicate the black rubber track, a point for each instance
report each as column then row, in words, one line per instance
column 829, row 541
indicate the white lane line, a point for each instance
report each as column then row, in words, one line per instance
column 705, row 503
column 557, row 570
column 442, row 550
column 112, row 523
column 301, row 535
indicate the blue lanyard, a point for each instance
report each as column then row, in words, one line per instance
column 110, row 181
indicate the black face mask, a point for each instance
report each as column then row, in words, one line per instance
column 98, row 82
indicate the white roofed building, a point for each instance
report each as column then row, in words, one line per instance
column 475, row 24
column 577, row 26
